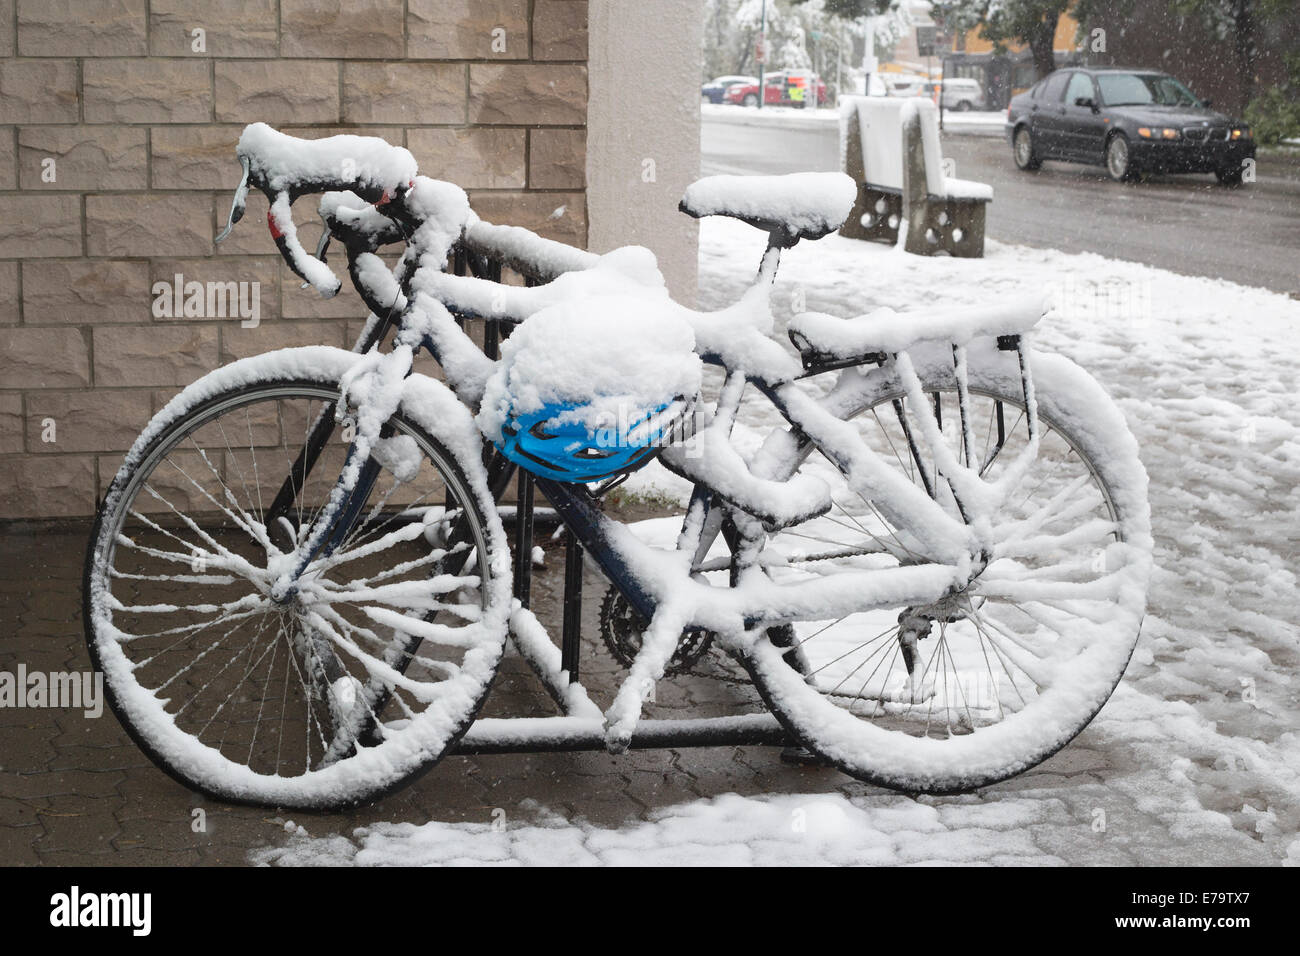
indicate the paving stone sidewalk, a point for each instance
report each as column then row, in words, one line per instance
column 75, row 790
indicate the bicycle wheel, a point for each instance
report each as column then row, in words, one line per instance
column 955, row 696
column 379, row 662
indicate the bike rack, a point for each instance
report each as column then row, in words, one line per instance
column 581, row 727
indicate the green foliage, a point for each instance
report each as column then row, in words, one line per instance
column 1274, row 115
column 1241, row 24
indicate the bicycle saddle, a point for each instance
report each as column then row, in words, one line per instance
column 795, row 205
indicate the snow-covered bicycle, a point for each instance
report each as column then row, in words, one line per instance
column 299, row 586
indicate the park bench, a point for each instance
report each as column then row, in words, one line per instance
column 890, row 146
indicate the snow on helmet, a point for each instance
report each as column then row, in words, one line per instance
column 593, row 387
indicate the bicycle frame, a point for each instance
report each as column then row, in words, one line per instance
column 392, row 640
column 625, row 562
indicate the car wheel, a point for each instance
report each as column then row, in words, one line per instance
column 1228, row 176
column 1023, row 150
column 1118, row 161
column 751, row 99
column 705, row 98
column 963, row 106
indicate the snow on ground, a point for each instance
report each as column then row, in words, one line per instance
column 1196, row 758
column 768, row 114
column 974, row 121
column 728, row 830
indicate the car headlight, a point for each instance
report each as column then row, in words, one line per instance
column 1169, row 133
column 1241, row 132
column 1158, row 132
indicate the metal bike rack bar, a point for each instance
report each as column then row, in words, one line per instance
column 498, row 735
column 571, row 643
column 571, row 732
column 524, row 539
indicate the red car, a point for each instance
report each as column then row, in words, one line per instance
column 777, row 89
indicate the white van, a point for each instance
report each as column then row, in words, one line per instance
column 904, row 84
column 962, row 93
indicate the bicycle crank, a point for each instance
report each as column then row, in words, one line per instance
column 621, row 628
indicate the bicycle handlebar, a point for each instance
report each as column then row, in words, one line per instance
column 286, row 167
column 356, row 223
column 365, row 165
column 372, row 196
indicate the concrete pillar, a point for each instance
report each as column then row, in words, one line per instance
column 643, row 131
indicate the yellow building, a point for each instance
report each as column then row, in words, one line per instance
column 974, row 41
column 1003, row 75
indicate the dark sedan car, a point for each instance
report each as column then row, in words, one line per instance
column 1130, row 121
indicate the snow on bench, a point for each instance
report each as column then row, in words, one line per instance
column 870, row 133
column 890, row 145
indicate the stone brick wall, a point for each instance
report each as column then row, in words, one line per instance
column 117, row 135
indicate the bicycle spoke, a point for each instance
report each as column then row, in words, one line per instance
column 289, row 689
column 1054, row 558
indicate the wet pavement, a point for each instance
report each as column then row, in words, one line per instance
column 76, row 790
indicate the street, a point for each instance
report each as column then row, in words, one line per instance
column 1187, row 224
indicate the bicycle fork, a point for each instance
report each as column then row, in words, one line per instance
column 356, row 481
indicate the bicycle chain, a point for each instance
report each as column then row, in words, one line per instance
column 621, row 629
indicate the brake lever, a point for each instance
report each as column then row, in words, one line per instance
column 321, row 245
column 279, row 219
column 238, row 204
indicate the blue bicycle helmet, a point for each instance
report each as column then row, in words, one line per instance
column 554, row 443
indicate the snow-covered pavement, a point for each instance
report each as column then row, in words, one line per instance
column 1196, row 758
column 978, row 122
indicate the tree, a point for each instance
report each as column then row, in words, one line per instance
column 853, row 9
column 1031, row 22
column 849, row 16
column 1274, row 115
column 1239, row 21
column 792, row 28
column 718, row 42
column 731, row 30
